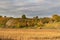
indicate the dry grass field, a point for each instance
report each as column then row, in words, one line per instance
column 29, row 34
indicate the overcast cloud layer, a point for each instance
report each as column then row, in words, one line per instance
column 31, row 8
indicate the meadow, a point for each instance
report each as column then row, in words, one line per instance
column 29, row 34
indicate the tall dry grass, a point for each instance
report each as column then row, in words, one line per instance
column 29, row 34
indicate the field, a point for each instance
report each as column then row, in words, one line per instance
column 29, row 34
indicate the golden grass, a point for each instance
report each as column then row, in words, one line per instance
column 29, row 34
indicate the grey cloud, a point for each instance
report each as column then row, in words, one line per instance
column 14, row 8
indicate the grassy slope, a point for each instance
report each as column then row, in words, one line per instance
column 29, row 34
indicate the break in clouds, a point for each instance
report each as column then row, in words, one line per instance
column 31, row 8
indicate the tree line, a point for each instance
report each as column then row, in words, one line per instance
column 52, row 22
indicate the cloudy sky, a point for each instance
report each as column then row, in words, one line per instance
column 31, row 8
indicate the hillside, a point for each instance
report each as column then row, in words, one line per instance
column 31, row 23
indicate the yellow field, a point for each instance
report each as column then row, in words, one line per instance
column 29, row 34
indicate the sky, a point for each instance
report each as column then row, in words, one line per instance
column 30, row 8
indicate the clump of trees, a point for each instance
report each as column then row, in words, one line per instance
column 35, row 22
column 23, row 16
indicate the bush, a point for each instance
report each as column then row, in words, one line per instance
column 55, row 25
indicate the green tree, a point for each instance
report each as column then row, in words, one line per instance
column 4, row 16
column 0, row 16
column 45, row 20
column 24, row 16
column 40, row 24
column 56, row 18
column 35, row 17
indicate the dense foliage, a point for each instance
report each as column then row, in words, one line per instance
column 35, row 22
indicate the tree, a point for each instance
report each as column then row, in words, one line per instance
column 46, row 20
column 0, row 16
column 40, row 24
column 4, row 16
column 56, row 17
column 24, row 16
column 36, row 17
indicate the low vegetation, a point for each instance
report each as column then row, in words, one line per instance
column 33, row 23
